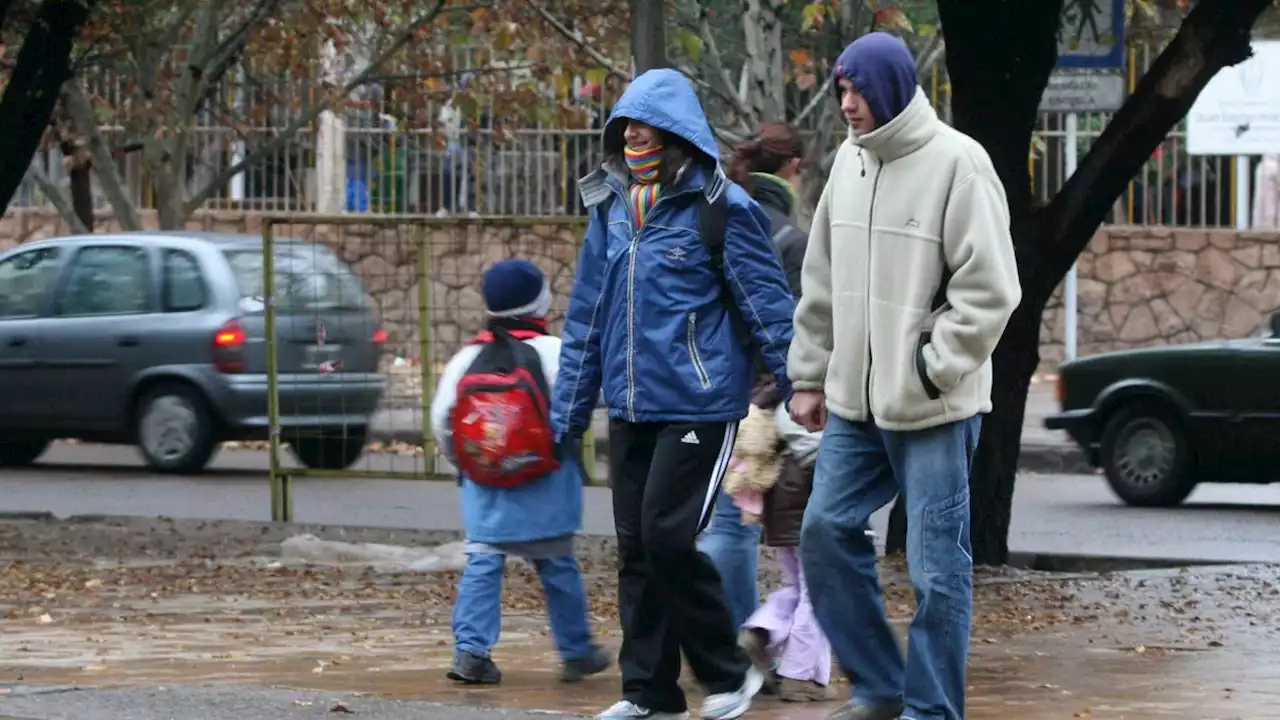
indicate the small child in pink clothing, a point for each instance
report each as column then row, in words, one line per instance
column 784, row 630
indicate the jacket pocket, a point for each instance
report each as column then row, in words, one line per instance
column 922, row 369
column 691, row 338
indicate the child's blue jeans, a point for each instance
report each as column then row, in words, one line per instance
column 477, row 613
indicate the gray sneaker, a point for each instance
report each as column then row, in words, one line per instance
column 580, row 668
column 863, row 712
column 472, row 669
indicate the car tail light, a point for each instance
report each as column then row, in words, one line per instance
column 1060, row 388
column 228, row 348
column 379, row 336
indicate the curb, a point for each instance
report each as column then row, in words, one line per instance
column 1071, row 563
column 27, row 515
column 1034, row 457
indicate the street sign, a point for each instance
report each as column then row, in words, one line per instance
column 1083, row 91
column 1238, row 112
column 1091, row 34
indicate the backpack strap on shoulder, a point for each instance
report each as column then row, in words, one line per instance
column 713, row 220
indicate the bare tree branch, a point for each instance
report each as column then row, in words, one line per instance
column 716, row 60
column 80, row 110
column 286, row 136
column 229, row 51
column 53, row 193
column 815, row 103
column 929, row 54
column 577, row 39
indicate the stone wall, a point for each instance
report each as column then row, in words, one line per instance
column 1138, row 286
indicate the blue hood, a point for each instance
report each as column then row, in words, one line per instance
column 664, row 99
column 881, row 67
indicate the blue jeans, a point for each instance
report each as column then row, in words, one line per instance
column 477, row 613
column 734, row 549
column 860, row 469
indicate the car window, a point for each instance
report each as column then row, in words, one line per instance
column 307, row 277
column 107, row 280
column 24, row 280
column 184, row 288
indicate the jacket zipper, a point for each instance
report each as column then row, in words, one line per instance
column 701, row 369
column 631, row 297
column 871, row 218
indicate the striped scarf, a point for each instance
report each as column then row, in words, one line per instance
column 644, row 192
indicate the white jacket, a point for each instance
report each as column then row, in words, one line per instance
column 904, row 204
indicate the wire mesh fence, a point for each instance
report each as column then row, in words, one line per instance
column 362, row 314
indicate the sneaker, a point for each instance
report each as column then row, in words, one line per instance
column 791, row 690
column 627, row 710
column 863, row 712
column 471, row 669
column 755, row 643
column 577, row 669
column 725, row 706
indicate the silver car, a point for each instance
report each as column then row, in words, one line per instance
column 158, row 339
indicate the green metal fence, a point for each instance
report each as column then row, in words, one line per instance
column 361, row 314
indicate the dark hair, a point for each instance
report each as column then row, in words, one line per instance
column 676, row 151
column 773, row 145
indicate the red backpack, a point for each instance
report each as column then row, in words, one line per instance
column 501, row 421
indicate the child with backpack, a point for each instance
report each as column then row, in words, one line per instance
column 521, row 491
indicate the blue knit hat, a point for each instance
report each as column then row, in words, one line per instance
column 516, row 288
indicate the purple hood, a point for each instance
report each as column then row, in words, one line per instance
column 881, row 67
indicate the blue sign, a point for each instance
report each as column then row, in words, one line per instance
column 1091, row 35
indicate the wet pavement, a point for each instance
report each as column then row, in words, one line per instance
column 163, row 617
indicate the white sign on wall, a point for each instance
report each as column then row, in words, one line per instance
column 1238, row 113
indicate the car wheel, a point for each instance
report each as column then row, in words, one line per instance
column 1147, row 457
column 175, row 429
column 20, row 452
column 330, row 451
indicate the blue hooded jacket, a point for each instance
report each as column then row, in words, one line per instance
column 647, row 320
column 881, row 67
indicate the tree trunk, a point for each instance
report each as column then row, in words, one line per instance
column 991, row 481
column 766, row 83
column 648, row 35
column 80, row 111
column 80, row 178
column 43, row 64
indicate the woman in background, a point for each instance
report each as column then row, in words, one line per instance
column 768, row 166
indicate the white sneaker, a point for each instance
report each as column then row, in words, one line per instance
column 725, row 706
column 627, row 710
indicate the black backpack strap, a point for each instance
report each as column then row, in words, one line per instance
column 713, row 220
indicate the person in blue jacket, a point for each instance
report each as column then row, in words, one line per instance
column 672, row 335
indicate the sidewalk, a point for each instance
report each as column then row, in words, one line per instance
column 185, row 615
column 1043, row 450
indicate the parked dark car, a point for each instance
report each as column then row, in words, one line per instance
column 1161, row 420
column 159, row 340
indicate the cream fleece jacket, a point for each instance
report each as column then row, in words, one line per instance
column 875, row 328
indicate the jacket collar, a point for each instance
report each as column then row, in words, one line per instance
column 772, row 191
column 904, row 134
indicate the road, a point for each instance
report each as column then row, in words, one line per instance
column 1053, row 514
